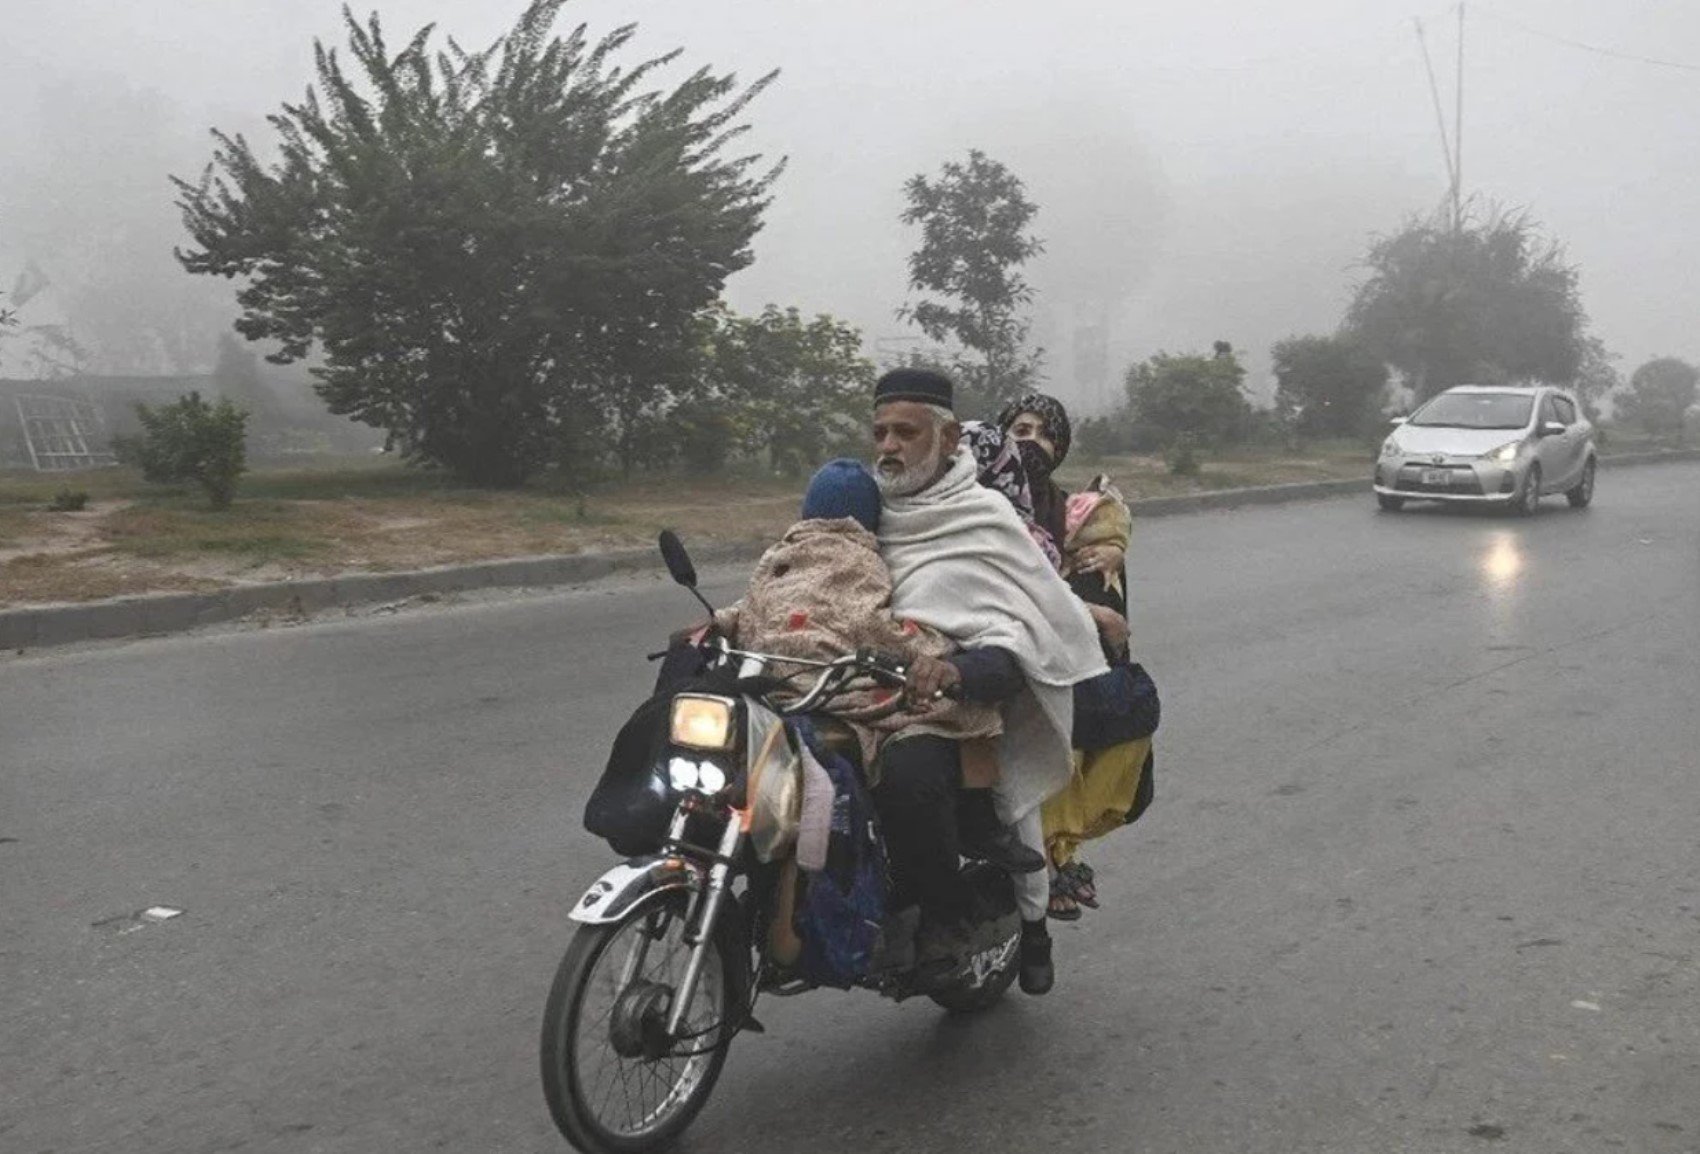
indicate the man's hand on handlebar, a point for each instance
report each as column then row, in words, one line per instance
column 931, row 678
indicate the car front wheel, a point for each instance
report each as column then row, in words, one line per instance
column 1528, row 501
column 1389, row 504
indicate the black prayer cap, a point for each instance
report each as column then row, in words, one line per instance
column 922, row 385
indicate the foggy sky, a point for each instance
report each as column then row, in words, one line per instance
column 1205, row 170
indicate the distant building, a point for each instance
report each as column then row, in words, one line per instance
column 50, row 423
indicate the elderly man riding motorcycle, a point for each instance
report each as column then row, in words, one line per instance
column 963, row 563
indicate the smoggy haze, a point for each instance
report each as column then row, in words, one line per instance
column 1205, row 170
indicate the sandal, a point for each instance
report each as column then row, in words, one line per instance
column 1076, row 878
column 1063, row 908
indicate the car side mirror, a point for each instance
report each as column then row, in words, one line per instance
column 1553, row 429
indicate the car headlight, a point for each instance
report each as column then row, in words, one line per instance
column 1390, row 448
column 1505, row 454
column 701, row 721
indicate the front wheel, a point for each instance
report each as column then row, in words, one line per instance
column 1583, row 493
column 1528, row 501
column 615, row 1081
column 1389, row 504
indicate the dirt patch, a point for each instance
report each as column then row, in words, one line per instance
column 337, row 517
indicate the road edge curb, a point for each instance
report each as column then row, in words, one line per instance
column 156, row 614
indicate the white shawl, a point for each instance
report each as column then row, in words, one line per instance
column 962, row 562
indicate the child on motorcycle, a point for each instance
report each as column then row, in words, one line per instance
column 822, row 592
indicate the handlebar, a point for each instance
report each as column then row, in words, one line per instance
column 835, row 676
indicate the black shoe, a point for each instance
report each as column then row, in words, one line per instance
column 1037, row 973
column 1002, row 848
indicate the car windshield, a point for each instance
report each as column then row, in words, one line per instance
column 1475, row 411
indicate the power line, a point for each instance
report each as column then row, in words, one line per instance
column 1611, row 53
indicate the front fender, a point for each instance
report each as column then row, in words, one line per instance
column 635, row 883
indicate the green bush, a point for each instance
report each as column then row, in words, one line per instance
column 1203, row 396
column 68, row 501
column 1182, row 456
column 190, row 440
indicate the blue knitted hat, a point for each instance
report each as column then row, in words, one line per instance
column 844, row 488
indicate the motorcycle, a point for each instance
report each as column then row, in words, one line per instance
column 673, row 949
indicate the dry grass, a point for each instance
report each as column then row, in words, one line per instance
column 333, row 516
column 336, row 517
column 1232, row 468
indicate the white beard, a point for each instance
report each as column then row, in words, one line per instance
column 910, row 481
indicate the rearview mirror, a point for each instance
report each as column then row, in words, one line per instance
column 678, row 561
column 1553, row 429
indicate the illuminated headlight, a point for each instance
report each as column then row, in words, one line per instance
column 702, row 722
column 1390, row 448
column 1505, row 454
column 685, row 774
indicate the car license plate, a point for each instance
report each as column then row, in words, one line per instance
column 1437, row 476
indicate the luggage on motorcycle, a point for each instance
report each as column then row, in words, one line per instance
column 842, row 909
column 632, row 804
column 1116, row 706
column 776, row 783
column 684, row 660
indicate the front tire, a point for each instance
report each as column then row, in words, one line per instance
column 614, row 1084
column 1583, row 494
column 1528, row 501
column 1389, row 504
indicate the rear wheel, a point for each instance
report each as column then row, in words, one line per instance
column 1528, row 501
column 1389, row 504
column 615, row 1082
column 992, row 988
column 1583, row 493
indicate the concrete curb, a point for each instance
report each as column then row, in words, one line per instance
column 161, row 613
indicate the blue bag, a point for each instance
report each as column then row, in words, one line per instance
column 842, row 908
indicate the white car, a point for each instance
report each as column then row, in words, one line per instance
column 1490, row 445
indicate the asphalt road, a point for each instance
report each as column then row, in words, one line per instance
column 1423, row 873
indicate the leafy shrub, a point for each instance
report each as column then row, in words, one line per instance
column 68, row 501
column 190, row 440
column 1182, row 456
column 1203, row 396
column 1659, row 396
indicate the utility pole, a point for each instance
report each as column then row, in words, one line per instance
column 1439, row 119
column 1451, row 147
column 1458, row 134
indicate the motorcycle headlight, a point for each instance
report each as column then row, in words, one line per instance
column 1506, row 454
column 1390, row 448
column 684, row 774
column 701, row 721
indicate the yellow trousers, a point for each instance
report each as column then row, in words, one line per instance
column 1096, row 799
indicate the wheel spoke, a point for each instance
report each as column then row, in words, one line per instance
column 633, row 1097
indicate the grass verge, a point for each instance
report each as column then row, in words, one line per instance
column 335, row 515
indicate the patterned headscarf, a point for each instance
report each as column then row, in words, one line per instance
column 998, row 466
column 1048, row 409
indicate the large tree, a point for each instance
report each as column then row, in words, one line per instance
column 1490, row 300
column 498, row 251
column 1660, row 394
column 1327, row 385
column 975, row 223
